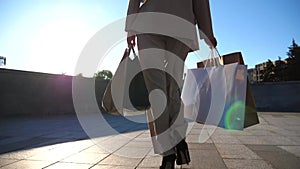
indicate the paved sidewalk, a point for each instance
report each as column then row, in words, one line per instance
column 60, row 142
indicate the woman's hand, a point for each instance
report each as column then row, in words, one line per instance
column 131, row 40
column 211, row 42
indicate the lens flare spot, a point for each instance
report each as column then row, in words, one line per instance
column 234, row 117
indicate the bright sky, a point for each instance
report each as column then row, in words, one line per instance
column 48, row 35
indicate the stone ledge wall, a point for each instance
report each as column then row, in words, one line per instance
column 277, row 96
column 24, row 93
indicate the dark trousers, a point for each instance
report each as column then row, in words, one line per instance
column 162, row 59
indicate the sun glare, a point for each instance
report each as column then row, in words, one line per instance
column 57, row 46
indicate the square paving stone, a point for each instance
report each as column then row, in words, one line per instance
column 225, row 139
column 86, row 158
column 262, row 132
column 139, row 144
column 236, row 151
column 143, row 137
column 4, row 161
column 110, row 167
column 61, row 165
column 24, row 154
column 94, row 149
column 257, row 140
column 246, row 164
column 132, row 134
column 51, row 155
column 195, row 131
column 204, row 159
column 285, row 132
column 28, row 164
column 292, row 149
column 131, row 152
column 113, row 144
column 151, row 162
column 118, row 160
column 203, row 146
column 278, row 140
column 198, row 139
column 276, row 156
column 221, row 131
column 295, row 139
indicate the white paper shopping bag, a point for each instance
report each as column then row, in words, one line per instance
column 216, row 95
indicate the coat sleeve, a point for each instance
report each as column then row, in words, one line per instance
column 202, row 14
column 133, row 8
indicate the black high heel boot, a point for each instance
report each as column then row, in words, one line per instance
column 183, row 155
column 168, row 162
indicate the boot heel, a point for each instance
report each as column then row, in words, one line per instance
column 183, row 155
column 168, row 162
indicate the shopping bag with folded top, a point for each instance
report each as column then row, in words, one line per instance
column 126, row 93
column 251, row 117
column 215, row 94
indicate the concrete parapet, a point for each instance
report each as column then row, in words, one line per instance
column 23, row 92
column 277, row 96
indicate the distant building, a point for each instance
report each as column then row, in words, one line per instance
column 250, row 75
column 255, row 75
column 258, row 72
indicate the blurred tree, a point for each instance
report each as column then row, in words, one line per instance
column 2, row 61
column 292, row 53
column 293, row 62
column 104, row 74
column 268, row 72
column 280, row 70
column 287, row 70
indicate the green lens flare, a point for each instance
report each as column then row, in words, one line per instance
column 234, row 117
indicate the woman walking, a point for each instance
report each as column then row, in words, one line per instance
column 165, row 31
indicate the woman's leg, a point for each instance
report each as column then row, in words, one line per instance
column 176, row 57
column 167, row 55
column 152, row 56
column 178, row 124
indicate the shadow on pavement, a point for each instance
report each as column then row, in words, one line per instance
column 21, row 133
